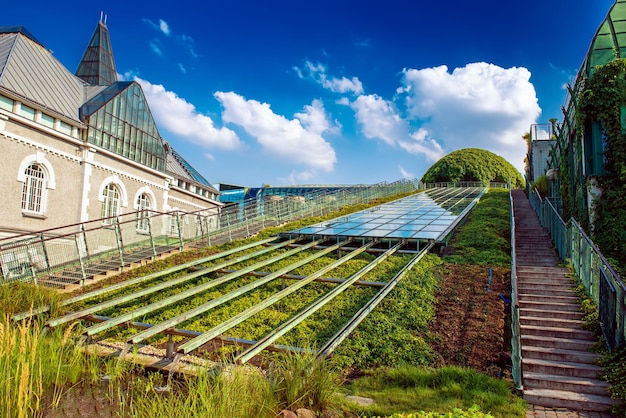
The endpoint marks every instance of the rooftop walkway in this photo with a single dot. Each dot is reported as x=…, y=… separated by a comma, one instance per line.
x=559, y=373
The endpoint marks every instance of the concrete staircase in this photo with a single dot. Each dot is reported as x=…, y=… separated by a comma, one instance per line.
x=558, y=370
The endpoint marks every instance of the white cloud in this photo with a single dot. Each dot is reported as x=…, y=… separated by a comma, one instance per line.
x=406, y=174
x=380, y=119
x=317, y=72
x=314, y=118
x=420, y=143
x=182, y=68
x=154, y=46
x=297, y=177
x=164, y=27
x=480, y=105
x=297, y=140
x=181, y=118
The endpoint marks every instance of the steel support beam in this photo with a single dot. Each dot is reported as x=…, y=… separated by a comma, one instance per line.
x=131, y=282
x=242, y=316
x=186, y=294
x=308, y=311
x=341, y=335
x=229, y=296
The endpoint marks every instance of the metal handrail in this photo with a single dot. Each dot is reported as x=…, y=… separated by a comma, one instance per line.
x=78, y=249
x=516, y=344
x=601, y=282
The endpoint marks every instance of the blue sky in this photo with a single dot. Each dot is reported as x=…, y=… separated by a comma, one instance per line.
x=284, y=92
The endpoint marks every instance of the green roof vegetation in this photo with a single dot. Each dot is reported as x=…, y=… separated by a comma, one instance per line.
x=473, y=164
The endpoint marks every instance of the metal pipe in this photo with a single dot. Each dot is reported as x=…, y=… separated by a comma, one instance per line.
x=144, y=292
x=183, y=295
x=191, y=334
x=301, y=316
x=242, y=316
x=341, y=335
x=170, y=270
x=334, y=280
x=225, y=298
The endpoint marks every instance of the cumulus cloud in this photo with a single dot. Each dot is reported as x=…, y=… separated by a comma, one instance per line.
x=317, y=73
x=297, y=140
x=380, y=119
x=182, y=119
x=480, y=105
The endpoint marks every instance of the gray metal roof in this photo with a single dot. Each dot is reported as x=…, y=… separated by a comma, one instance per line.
x=178, y=167
x=30, y=71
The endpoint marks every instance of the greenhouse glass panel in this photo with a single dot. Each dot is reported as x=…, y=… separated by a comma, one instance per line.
x=424, y=216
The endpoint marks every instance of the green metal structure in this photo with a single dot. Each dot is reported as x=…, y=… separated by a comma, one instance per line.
x=579, y=151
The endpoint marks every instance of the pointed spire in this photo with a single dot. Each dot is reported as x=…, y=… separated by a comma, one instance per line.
x=98, y=66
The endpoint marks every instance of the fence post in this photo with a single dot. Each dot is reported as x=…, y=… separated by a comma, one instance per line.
x=45, y=253
x=154, y=253
x=120, y=243
x=180, y=234
x=83, y=274
x=230, y=233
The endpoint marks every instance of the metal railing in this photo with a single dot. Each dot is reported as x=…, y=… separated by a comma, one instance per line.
x=73, y=253
x=493, y=185
x=593, y=271
x=516, y=343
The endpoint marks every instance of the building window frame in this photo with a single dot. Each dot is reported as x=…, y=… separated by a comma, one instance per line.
x=113, y=197
x=110, y=209
x=33, y=190
x=143, y=206
x=37, y=177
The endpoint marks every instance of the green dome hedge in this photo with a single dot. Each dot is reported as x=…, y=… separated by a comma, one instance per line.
x=473, y=164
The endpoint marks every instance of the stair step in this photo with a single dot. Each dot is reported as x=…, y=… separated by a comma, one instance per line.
x=546, y=290
x=560, y=368
x=544, y=270
x=559, y=354
x=552, y=299
x=537, y=249
x=578, y=334
x=567, y=383
x=574, y=324
x=555, y=342
x=545, y=279
x=569, y=400
x=551, y=306
x=550, y=313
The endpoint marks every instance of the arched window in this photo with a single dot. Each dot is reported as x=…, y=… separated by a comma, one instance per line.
x=143, y=204
x=110, y=203
x=34, y=189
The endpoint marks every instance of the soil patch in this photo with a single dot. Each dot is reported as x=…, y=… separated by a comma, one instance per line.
x=469, y=325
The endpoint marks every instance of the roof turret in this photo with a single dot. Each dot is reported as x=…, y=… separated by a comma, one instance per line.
x=98, y=66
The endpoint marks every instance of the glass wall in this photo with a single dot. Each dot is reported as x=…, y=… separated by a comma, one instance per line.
x=124, y=125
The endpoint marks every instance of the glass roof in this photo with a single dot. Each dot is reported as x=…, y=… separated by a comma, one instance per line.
x=609, y=39
x=98, y=66
x=424, y=216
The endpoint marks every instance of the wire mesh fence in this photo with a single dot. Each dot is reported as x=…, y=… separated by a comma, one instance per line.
x=73, y=253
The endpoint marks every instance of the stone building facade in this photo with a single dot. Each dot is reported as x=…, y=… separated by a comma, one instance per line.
x=82, y=147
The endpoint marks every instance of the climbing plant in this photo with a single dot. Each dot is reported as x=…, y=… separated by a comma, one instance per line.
x=603, y=100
